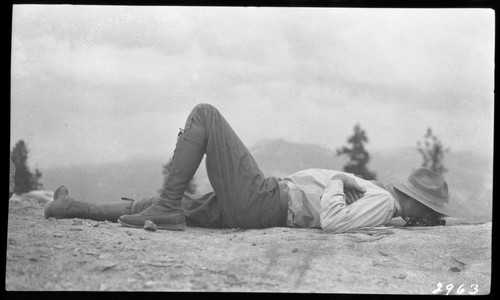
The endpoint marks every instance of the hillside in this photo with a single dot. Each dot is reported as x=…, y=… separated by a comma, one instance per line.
x=84, y=255
x=469, y=175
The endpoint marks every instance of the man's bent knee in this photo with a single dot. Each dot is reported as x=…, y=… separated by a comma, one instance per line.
x=203, y=115
x=205, y=107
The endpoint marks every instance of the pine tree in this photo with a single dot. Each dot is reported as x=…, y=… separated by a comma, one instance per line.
x=358, y=156
x=24, y=180
x=432, y=152
x=167, y=168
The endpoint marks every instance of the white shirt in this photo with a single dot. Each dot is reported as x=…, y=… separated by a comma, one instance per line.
x=317, y=201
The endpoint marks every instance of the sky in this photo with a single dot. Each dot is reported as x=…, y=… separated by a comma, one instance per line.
x=99, y=84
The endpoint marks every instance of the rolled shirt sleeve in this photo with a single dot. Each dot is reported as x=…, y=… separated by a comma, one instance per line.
x=373, y=209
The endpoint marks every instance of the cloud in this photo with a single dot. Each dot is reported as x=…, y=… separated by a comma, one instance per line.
x=127, y=75
x=117, y=26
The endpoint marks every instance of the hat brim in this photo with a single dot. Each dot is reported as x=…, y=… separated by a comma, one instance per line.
x=445, y=209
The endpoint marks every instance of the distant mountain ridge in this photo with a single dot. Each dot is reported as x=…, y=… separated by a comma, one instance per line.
x=469, y=175
x=108, y=182
x=280, y=158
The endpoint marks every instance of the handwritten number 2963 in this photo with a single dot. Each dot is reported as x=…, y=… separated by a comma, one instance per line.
x=460, y=290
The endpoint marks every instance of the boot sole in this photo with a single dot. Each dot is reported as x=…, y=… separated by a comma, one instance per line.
x=175, y=227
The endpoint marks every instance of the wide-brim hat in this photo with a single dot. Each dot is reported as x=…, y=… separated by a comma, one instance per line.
x=428, y=188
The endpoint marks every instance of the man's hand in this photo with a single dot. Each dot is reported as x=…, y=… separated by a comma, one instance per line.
x=352, y=195
x=352, y=190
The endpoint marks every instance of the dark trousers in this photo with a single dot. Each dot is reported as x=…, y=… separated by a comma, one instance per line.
x=242, y=196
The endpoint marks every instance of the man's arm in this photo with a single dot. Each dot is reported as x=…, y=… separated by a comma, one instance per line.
x=337, y=216
x=353, y=194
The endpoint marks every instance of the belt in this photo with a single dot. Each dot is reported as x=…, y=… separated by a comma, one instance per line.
x=284, y=194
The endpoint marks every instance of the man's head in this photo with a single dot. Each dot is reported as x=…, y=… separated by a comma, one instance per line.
x=423, y=197
x=417, y=214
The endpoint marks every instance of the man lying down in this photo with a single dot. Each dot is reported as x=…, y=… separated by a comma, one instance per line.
x=243, y=197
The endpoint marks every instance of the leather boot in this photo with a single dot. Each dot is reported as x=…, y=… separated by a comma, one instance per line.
x=167, y=212
x=64, y=207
